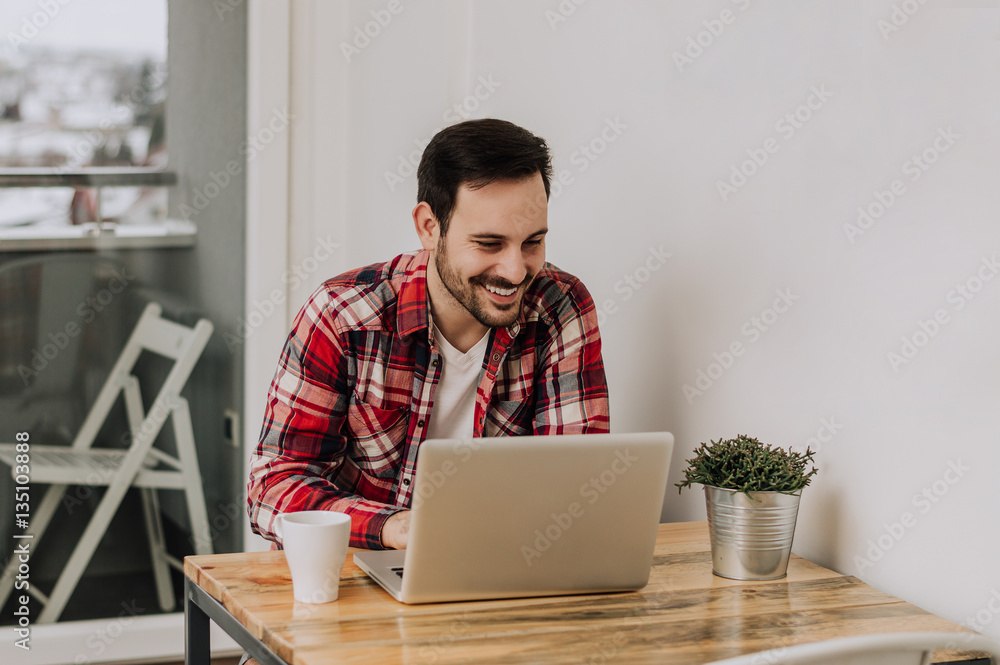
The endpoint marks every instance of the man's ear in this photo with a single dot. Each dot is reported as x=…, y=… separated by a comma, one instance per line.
x=427, y=225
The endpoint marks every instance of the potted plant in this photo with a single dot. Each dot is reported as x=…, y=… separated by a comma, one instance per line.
x=752, y=493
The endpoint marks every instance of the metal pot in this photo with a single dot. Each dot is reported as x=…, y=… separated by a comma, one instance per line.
x=751, y=535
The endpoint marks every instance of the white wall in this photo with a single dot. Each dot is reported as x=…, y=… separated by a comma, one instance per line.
x=820, y=367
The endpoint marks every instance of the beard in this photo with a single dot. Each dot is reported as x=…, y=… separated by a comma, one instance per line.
x=467, y=294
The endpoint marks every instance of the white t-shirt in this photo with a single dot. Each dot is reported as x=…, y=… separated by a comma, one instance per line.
x=455, y=394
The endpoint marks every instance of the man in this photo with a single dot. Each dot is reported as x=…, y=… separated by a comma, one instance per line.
x=475, y=335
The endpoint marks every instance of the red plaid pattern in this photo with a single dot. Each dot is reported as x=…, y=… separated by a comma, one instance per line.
x=351, y=400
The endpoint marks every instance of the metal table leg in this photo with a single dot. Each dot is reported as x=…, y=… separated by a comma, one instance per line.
x=197, y=639
x=199, y=607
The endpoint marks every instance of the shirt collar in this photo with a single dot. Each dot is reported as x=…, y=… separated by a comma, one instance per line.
x=413, y=304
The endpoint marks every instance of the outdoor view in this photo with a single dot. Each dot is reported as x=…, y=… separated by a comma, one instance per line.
x=82, y=84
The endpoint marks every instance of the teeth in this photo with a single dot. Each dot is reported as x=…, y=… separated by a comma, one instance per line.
x=501, y=292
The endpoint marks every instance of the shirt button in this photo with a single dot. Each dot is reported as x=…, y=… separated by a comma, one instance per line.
x=406, y=482
x=403, y=409
x=496, y=356
x=420, y=423
x=434, y=363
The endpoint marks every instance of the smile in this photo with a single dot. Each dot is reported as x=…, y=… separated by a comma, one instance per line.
x=499, y=291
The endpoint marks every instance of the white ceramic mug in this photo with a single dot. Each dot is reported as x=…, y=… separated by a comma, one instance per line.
x=315, y=543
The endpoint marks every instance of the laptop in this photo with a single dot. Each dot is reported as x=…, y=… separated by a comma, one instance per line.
x=526, y=516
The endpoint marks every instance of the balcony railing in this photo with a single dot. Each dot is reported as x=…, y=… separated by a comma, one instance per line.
x=100, y=233
x=97, y=176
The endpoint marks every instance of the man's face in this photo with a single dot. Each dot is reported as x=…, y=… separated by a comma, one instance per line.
x=494, y=247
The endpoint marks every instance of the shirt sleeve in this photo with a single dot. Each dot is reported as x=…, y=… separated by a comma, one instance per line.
x=572, y=388
x=302, y=447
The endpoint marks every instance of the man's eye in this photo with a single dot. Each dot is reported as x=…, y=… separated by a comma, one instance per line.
x=488, y=245
x=534, y=243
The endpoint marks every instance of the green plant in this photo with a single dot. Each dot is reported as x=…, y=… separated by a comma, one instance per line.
x=747, y=465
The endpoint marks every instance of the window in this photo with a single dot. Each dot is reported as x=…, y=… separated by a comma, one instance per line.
x=68, y=302
x=83, y=86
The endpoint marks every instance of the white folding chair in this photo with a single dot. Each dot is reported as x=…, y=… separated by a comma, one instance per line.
x=886, y=649
x=140, y=465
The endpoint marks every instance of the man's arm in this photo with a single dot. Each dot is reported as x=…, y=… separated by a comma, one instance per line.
x=396, y=531
x=571, y=389
x=299, y=462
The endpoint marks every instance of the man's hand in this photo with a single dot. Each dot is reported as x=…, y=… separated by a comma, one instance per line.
x=396, y=530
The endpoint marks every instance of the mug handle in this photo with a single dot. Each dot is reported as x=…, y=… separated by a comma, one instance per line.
x=278, y=530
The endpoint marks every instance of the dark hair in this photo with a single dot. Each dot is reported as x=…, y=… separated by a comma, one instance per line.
x=476, y=153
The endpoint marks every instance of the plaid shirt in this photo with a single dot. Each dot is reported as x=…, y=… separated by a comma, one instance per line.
x=351, y=400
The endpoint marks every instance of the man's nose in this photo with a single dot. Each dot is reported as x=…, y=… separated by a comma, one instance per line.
x=512, y=266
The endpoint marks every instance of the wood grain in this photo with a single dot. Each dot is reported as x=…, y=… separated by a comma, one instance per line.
x=684, y=615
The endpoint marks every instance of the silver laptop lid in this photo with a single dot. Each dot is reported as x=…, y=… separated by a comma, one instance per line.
x=532, y=516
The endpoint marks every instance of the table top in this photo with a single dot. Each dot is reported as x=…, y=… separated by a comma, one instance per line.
x=684, y=615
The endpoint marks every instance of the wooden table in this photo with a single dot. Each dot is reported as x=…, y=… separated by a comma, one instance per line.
x=684, y=615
